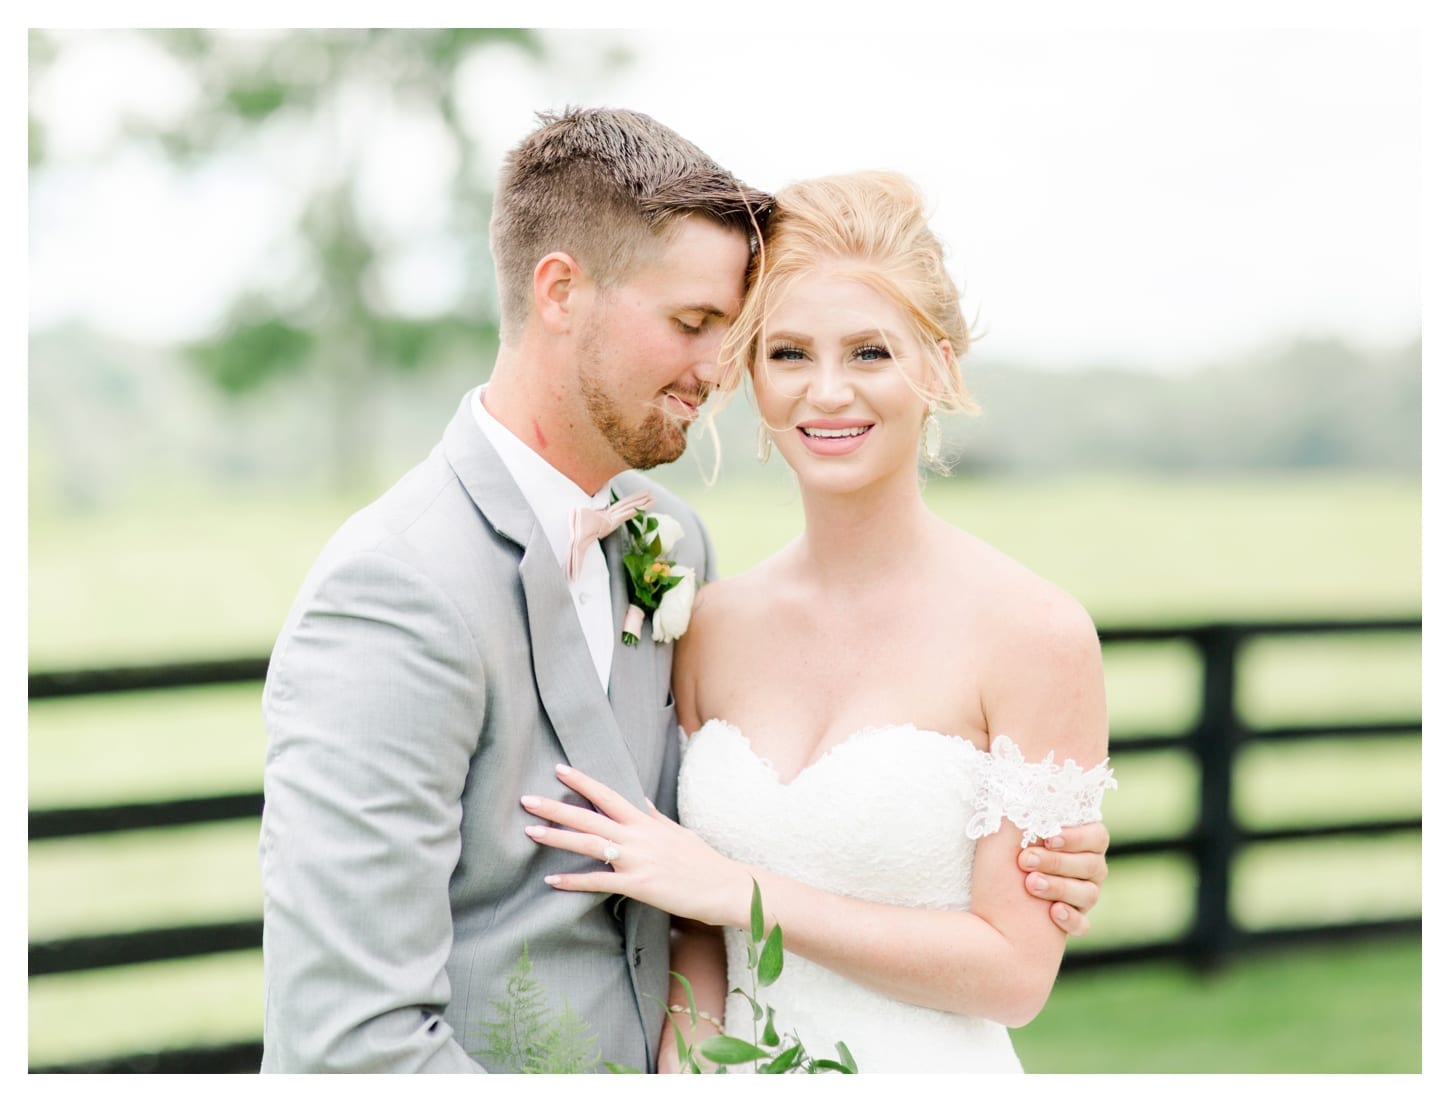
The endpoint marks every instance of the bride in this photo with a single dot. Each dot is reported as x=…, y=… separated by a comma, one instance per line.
x=885, y=711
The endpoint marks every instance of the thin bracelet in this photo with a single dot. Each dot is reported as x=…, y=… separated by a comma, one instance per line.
x=714, y=1021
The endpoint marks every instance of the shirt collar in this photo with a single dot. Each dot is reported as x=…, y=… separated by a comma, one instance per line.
x=551, y=494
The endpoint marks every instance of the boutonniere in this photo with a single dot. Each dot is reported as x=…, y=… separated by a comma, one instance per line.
x=658, y=585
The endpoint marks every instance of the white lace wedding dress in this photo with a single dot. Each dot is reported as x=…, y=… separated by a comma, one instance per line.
x=892, y=814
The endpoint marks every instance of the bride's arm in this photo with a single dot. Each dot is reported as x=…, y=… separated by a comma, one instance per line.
x=998, y=960
x=697, y=952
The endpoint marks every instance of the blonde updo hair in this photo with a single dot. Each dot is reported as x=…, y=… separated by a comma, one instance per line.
x=869, y=226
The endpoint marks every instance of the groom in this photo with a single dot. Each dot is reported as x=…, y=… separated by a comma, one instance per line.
x=454, y=641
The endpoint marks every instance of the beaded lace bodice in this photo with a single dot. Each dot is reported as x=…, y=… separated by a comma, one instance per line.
x=892, y=814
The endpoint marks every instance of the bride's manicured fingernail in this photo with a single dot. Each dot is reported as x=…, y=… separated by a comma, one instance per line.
x=1031, y=860
x=1037, y=882
x=534, y=831
x=529, y=801
x=562, y=769
x=1056, y=843
x=551, y=880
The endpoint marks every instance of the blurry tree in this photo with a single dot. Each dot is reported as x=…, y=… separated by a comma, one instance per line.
x=1313, y=403
x=310, y=104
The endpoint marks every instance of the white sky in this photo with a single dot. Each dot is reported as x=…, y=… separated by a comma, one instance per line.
x=1159, y=198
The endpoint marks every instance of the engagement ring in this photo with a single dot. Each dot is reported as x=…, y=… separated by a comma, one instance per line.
x=610, y=854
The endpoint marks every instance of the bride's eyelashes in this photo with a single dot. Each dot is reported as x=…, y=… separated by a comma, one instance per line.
x=786, y=353
x=871, y=353
x=794, y=353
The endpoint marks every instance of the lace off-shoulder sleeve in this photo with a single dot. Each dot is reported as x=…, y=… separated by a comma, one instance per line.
x=1040, y=797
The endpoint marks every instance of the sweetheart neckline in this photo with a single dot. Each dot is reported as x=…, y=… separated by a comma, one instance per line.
x=875, y=729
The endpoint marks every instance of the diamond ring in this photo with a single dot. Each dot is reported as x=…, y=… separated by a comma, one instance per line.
x=610, y=854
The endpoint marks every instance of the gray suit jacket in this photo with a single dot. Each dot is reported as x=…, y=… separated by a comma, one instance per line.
x=432, y=671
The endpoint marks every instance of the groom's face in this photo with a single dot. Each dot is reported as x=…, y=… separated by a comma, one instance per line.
x=648, y=350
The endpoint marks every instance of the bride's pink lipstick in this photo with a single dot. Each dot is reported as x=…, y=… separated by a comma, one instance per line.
x=834, y=435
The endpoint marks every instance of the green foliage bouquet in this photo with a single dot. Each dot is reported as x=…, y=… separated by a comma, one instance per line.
x=771, y=1050
x=526, y=1038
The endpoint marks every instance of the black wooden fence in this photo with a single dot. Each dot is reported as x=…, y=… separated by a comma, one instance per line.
x=1212, y=844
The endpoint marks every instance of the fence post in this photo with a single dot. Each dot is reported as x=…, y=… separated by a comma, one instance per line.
x=1215, y=742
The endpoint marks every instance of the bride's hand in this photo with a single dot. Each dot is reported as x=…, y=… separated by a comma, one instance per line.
x=651, y=858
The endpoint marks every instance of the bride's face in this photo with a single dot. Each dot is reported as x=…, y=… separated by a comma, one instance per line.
x=834, y=383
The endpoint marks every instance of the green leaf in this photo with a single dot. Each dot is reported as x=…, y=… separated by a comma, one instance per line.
x=847, y=1058
x=681, y=1048
x=724, y=1049
x=769, y=1034
x=772, y=958
x=787, y=1060
x=689, y=998
x=757, y=914
x=621, y=1069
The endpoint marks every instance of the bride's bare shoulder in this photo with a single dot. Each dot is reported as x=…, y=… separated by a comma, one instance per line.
x=1020, y=605
x=1039, y=654
x=727, y=601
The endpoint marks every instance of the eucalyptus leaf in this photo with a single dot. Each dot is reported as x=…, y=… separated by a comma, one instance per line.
x=790, y=1058
x=682, y=1048
x=724, y=1049
x=689, y=998
x=772, y=958
x=768, y=1035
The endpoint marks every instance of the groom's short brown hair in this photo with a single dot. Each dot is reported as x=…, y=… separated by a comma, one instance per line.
x=606, y=186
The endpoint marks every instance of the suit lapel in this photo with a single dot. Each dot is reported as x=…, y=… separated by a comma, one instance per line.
x=564, y=673
x=568, y=684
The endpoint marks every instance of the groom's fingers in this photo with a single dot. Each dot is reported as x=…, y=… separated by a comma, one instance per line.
x=1073, y=923
x=1083, y=838
x=1082, y=894
x=1070, y=899
x=1075, y=866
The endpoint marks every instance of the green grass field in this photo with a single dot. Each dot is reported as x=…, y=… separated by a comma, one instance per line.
x=214, y=578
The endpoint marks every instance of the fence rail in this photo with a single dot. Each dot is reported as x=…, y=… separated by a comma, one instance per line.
x=1212, y=844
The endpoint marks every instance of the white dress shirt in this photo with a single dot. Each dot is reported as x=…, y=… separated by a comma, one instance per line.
x=553, y=497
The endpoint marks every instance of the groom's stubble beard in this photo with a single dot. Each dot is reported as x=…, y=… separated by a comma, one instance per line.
x=656, y=440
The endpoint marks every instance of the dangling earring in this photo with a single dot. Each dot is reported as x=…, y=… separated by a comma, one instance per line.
x=762, y=444
x=931, y=435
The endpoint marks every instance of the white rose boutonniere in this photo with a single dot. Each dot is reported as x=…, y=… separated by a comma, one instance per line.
x=673, y=616
x=657, y=585
x=669, y=530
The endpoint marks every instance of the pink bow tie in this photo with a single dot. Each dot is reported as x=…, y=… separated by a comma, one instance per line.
x=588, y=525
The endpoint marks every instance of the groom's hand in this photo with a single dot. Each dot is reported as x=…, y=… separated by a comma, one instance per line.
x=1068, y=871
